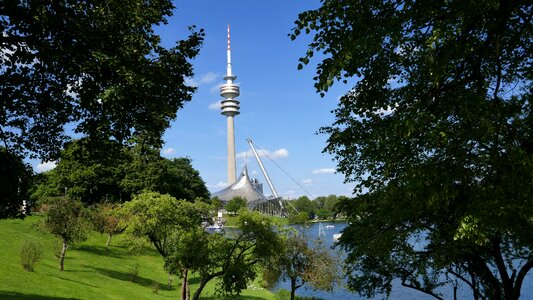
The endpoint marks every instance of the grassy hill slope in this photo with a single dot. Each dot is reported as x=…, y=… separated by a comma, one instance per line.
x=92, y=270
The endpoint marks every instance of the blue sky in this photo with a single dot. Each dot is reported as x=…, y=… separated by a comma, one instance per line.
x=280, y=110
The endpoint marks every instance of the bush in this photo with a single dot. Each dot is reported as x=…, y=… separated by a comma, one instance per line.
x=133, y=272
x=156, y=287
x=30, y=254
x=270, y=278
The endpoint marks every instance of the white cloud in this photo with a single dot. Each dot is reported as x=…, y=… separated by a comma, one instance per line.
x=214, y=89
x=208, y=77
x=219, y=185
x=214, y=105
x=289, y=194
x=307, y=181
x=254, y=172
x=169, y=151
x=385, y=112
x=324, y=171
x=280, y=153
x=45, y=166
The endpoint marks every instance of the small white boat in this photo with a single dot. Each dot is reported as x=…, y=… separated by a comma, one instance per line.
x=330, y=226
x=336, y=237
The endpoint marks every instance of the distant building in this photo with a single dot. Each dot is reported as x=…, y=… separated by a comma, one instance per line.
x=249, y=189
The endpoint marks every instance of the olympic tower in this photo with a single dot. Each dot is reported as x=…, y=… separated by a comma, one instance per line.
x=230, y=108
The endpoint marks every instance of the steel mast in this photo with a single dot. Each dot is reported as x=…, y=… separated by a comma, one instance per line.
x=269, y=182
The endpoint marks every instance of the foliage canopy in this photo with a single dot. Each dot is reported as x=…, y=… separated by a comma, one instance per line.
x=95, y=64
x=115, y=173
x=436, y=134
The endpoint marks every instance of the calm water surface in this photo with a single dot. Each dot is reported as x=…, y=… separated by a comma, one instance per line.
x=398, y=292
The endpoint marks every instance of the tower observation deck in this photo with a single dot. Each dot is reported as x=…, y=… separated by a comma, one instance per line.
x=230, y=108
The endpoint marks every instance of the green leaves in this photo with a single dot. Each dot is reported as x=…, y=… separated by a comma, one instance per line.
x=469, y=229
x=236, y=204
x=64, y=57
x=432, y=136
x=67, y=219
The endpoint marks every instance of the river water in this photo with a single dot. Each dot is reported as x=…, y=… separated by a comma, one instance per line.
x=398, y=292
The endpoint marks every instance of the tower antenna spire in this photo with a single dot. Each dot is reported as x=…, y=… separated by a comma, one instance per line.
x=228, y=69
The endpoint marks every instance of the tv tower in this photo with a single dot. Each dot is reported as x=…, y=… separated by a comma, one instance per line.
x=230, y=108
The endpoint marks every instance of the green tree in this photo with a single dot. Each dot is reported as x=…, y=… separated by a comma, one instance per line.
x=320, y=201
x=436, y=134
x=163, y=219
x=147, y=170
x=298, y=218
x=113, y=173
x=323, y=214
x=15, y=180
x=83, y=172
x=301, y=263
x=98, y=65
x=236, y=204
x=68, y=220
x=236, y=259
x=304, y=205
x=216, y=203
x=189, y=249
x=105, y=219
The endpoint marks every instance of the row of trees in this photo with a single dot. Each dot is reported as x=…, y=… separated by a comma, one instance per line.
x=116, y=173
x=323, y=208
x=176, y=229
x=300, y=210
x=133, y=191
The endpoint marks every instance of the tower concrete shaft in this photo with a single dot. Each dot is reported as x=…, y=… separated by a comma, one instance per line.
x=230, y=108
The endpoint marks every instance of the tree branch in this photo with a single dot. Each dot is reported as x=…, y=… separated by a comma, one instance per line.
x=404, y=283
x=500, y=264
x=522, y=275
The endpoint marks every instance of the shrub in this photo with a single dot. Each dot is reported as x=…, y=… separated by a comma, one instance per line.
x=156, y=287
x=270, y=277
x=30, y=254
x=134, y=272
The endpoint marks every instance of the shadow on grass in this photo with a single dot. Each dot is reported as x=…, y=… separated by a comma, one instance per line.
x=101, y=250
x=125, y=276
x=194, y=280
x=57, y=276
x=17, y=295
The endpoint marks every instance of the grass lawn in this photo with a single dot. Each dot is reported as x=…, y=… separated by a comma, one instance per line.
x=92, y=270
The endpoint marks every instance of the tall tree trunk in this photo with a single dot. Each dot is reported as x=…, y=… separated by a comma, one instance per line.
x=170, y=279
x=109, y=239
x=198, y=291
x=184, y=285
x=293, y=288
x=62, y=256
